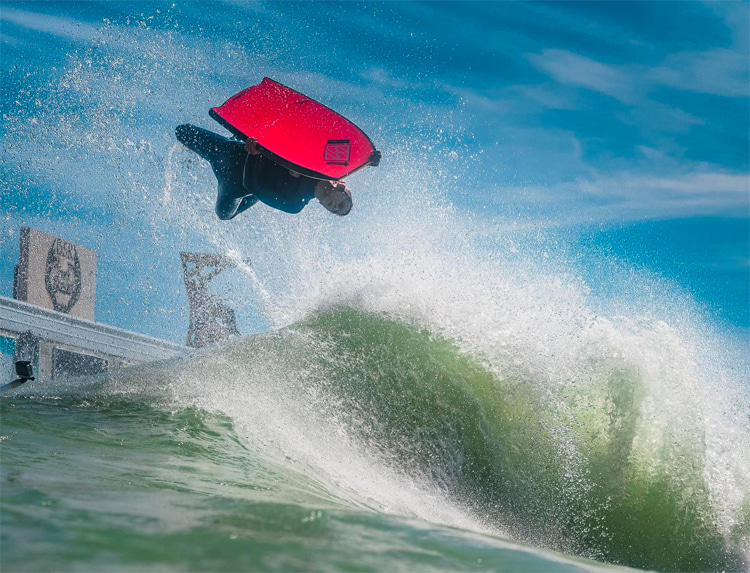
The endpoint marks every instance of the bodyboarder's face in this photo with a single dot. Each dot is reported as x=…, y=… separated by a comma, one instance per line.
x=334, y=196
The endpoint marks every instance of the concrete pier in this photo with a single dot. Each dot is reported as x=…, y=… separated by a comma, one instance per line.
x=60, y=345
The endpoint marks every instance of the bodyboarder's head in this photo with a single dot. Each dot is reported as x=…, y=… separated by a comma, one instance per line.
x=335, y=196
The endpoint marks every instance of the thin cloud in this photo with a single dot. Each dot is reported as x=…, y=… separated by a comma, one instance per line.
x=628, y=195
x=722, y=72
x=573, y=69
x=719, y=72
x=59, y=26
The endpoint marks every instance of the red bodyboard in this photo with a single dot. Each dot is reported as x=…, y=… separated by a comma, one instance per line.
x=296, y=131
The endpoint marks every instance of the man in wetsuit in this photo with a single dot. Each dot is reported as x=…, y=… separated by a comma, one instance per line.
x=245, y=177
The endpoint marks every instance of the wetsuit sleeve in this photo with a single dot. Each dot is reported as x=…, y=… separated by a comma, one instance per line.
x=275, y=186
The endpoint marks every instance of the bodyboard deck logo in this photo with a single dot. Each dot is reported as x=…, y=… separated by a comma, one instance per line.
x=337, y=152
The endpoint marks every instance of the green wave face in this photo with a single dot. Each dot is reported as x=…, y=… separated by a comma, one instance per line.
x=111, y=484
x=578, y=470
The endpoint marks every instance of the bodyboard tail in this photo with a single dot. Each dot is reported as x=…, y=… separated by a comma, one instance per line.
x=296, y=131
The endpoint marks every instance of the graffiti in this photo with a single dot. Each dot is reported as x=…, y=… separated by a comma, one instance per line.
x=211, y=319
x=62, y=275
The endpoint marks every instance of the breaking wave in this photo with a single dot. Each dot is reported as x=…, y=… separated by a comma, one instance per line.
x=391, y=415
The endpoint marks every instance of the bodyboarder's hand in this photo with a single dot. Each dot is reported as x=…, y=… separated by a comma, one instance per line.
x=328, y=186
x=251, y=146
x=341, y=186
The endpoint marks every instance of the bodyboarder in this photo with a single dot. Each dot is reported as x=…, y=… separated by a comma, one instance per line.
x=246, y=177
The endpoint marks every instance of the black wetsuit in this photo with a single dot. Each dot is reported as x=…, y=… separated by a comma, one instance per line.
x=243, y=178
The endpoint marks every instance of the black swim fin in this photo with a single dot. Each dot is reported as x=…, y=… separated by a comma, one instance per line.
x=227, y=157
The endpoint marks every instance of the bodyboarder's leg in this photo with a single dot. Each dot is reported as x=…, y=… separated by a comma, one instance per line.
x=227, y=159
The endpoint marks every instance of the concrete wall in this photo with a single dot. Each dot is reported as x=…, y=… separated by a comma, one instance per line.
x=50, y=320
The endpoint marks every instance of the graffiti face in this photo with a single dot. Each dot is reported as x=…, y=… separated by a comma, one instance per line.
x=62, y=275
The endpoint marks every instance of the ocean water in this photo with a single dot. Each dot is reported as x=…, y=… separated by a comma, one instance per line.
x=447, y=379
x=357, y=440
x=189, y=494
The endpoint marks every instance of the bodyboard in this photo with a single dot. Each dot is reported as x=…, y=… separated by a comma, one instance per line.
x=296, y=131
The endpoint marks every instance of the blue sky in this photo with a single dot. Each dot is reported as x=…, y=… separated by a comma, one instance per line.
x=563, y=114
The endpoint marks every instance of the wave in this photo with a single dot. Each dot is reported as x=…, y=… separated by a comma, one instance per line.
x=396, y=417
